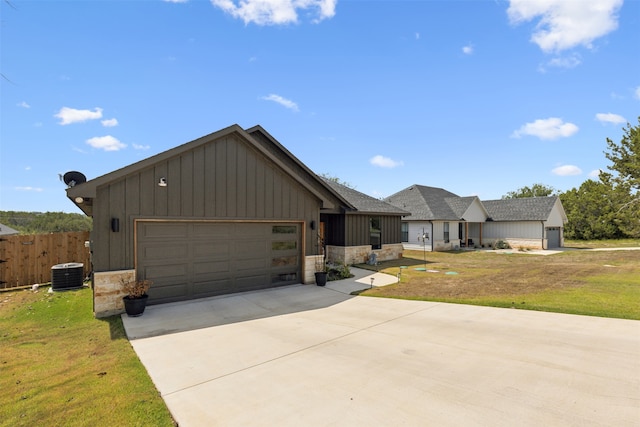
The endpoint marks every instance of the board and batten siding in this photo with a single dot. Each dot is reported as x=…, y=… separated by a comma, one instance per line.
x=225, y=179
x=519, y=229
x=357, y=231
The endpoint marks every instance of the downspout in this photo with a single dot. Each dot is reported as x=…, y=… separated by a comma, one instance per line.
x=542, y=242
x=431, y=234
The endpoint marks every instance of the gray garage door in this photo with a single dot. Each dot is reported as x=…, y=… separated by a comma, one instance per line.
x=187, y=260
x=553, y=237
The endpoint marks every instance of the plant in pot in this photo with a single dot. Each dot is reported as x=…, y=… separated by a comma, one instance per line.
x=321, y=264
x=136, y=299
x=321, y=271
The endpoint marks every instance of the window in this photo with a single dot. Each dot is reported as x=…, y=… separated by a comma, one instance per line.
x=375, y=232
x=446, y=232
x=404, y=232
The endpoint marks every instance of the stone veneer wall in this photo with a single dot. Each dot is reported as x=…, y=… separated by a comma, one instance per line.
x=310, y=268
x=108, y=293
x=360, y=254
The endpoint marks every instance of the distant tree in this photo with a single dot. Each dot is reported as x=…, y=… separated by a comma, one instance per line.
x=47, y=222
x=337, y=180
x=536, y=190
x=592, y=210
x=626, y=162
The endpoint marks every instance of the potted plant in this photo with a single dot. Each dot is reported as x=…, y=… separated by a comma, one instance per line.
x=321, y=272
x=321, y=264
x=136, y=299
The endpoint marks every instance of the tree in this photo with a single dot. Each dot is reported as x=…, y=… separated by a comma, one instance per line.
x=592, y=210
x=337, y=180
x=536, y=190
x=626, y=162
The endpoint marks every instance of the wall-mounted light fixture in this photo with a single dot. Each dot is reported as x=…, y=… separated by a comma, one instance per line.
x=79, y=199
x=115, y=224
x=162, y=182
x=312, y=224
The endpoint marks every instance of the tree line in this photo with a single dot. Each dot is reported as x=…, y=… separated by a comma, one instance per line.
x=607, y=207
x=45, y=222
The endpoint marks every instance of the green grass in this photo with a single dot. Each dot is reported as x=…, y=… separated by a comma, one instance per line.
x=594, y=283
x=59, y=366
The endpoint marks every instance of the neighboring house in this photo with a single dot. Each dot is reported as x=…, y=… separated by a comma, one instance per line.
x=532, y=222
x=7, y=231
x=229, y=212
x=441, y=220
x=373, y=226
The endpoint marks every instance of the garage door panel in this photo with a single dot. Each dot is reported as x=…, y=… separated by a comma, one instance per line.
x=168, y=292
x=212, y=231
x=213, y=287
x=211, y=249
x=249, y=283
x=153, y=231
x=215, y=267
x=166, y=251
x=197, y=259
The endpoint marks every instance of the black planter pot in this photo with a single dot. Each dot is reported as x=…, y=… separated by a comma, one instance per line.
x=321, y=278
x=135, y=306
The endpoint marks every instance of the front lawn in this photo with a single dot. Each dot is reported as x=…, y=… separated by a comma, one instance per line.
x=602, y=283
x=59, y=366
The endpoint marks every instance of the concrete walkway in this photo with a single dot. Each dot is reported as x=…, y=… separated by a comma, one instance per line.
x=318, y=356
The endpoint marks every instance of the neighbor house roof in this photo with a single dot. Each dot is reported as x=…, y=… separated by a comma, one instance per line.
x=429, y=203
x=364, y=203
x=7, y=231
x=520, y=209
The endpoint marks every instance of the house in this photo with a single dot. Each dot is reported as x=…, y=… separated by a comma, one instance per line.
x=531, y=222
x=441, y=220
x=229, y=212
x=7, y=231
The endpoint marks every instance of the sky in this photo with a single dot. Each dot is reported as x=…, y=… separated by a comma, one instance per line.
x=477, y=97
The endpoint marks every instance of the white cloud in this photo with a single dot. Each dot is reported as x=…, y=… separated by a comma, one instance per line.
x=417, y=36
x=468, y=49
x=287, y=103
x=109, y=123
x=276, y=12
x=140, y=147
x=27, y=168
x=23, y=104
x=567, y=170
x=384, y=162
x=106, y=143
x=551, y=128
x=565, y=24
x=610, y=118
x=637, y=92
x=36, y=189
x=175, y=1
x=594, y=173
x=71, y=115
x=569, y=61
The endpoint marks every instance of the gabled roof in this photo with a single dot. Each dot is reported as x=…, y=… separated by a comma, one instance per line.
x=7, y=231
x=429, y=203
x=521, y=209
x=276, y=154
x=362, y=202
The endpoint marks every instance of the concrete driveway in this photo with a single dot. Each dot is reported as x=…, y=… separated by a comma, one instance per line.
x=312, y=356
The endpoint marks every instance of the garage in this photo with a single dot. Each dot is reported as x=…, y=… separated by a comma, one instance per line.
x=196, y=259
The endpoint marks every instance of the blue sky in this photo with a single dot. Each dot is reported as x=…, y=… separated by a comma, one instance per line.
x=477, y=97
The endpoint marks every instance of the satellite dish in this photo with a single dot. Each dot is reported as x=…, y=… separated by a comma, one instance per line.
x=74, y=178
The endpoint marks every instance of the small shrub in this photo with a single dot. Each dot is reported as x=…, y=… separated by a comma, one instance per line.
x=338, y=272
x=501, y=244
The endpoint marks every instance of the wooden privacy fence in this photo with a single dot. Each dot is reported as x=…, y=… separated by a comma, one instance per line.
x=27, y=260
